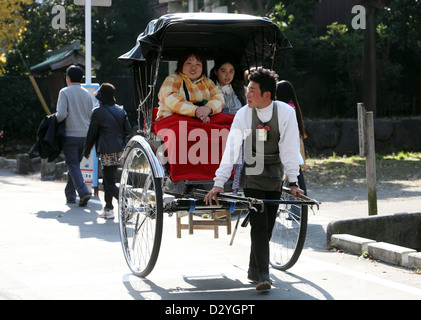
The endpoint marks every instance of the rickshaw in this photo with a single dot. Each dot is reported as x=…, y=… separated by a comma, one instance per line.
x=151, y=186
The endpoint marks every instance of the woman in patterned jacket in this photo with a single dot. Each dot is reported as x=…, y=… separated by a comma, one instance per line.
x=189, y=91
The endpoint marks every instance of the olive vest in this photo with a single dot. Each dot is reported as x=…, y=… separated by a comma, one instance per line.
x=263, y=171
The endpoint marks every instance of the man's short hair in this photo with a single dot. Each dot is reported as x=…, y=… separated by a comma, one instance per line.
x=266, y=79
x=75, y=73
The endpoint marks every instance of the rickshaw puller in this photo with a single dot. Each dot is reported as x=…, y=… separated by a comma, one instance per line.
x=274, y=124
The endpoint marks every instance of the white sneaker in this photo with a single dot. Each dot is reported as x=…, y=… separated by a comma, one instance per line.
x=107, y=214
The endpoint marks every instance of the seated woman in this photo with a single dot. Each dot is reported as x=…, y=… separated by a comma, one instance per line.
x=188, y=91
x=231, y=83
x=229, y=80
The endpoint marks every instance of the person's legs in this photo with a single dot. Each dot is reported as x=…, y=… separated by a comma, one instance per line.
x=110, y=189
x=261, y=230
x=73, y=152
x=69, y=190
x=272, y=210
x=259, y=251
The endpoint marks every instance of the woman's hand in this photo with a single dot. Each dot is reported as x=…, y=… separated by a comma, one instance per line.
x=203, y=114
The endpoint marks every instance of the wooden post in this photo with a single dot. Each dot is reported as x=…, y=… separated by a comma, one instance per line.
x=371, y=166
x=361, y=131
x=367, y=149
x=39, y=95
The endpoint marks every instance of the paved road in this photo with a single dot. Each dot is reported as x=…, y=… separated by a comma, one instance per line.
x=50, y=250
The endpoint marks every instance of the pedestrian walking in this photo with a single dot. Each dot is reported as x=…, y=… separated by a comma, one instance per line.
x=108, y=130
x=74, y=106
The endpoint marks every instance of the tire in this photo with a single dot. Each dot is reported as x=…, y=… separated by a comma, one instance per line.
x=289, y=232
x=140, y=211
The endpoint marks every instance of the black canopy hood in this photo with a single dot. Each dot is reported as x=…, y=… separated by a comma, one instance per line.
x=215, y=33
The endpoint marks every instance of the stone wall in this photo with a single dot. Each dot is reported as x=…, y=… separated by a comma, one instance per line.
x=341, y=136
x=401, y=229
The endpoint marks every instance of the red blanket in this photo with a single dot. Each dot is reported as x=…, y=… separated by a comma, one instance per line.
x=193, y=149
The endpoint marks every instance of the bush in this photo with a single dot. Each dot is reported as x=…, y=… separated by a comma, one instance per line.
x=20, y=111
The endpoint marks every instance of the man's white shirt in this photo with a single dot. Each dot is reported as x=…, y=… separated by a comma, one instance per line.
x=289, y=142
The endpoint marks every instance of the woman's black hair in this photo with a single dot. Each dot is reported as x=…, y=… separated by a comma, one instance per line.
x=285, y=92
x=198, y=54
x=237, y=82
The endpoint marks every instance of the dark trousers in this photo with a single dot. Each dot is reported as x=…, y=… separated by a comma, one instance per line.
x=110, y=189
x=261, y=231
x=73, y=152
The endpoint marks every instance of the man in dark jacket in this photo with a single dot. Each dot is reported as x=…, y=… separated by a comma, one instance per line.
x=108, y=130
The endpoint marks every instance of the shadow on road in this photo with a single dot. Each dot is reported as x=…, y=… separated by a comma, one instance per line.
x=286, y=286
x=86, y=220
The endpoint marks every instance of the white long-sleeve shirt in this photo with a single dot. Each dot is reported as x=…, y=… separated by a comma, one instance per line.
x=289, y=145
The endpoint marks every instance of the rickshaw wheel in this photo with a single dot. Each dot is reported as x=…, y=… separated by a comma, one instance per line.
x=140, y=212
x=289, y=232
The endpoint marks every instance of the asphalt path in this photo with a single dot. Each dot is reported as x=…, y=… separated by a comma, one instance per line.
x=54, y=251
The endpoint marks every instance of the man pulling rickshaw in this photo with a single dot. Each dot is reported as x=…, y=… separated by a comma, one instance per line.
x=152, y=168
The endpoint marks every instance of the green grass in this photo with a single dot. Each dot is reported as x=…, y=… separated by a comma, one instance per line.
x=337, y=170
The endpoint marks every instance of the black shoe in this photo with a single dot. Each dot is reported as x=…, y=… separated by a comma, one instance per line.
x=84, y=200
x=69, y=201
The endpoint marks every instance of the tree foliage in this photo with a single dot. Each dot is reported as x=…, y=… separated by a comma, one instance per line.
x=328, y=68
x=399, y=31
x=114, y=31
x=403, y=21
x=338, y=57
x=40, y=37
x=256, y=7
x=12, y=26
x=295, y=19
